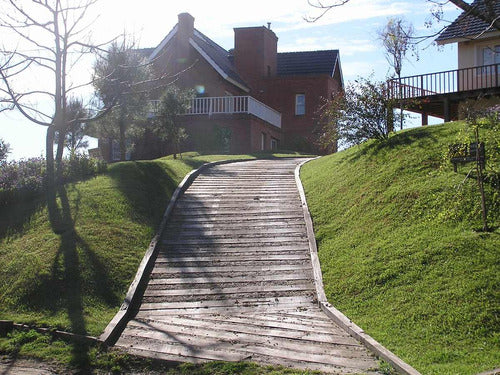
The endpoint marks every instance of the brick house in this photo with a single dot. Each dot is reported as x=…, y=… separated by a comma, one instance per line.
x=253, y=97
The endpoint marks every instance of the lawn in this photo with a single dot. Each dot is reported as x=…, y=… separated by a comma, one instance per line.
x=401, y=249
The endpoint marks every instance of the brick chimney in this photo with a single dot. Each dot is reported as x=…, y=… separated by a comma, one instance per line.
x=184, y=32
x=255, y=53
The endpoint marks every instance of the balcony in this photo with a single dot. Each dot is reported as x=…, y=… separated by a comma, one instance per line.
x=438, y=94
x=451, y=81
x=230, y=105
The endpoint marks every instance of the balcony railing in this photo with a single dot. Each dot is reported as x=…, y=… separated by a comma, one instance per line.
x=230, y=105
x=450, y=81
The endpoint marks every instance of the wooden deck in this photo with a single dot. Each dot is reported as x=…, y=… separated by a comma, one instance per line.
x=233, y=279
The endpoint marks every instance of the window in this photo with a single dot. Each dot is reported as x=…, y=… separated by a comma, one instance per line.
x=300, y=104
x=274, y=144
x=263, y=138
x=115, y=150
x=491, y=55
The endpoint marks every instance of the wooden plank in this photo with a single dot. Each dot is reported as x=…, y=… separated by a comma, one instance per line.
x=247, y=333
x=256, y=257
x=235, y=241
x=236, y=309
x=254, y=288
x=222, y=343
x=266, y=321
x=285, y=278
x=241, y=269
x=181, y=350
x=228, y=303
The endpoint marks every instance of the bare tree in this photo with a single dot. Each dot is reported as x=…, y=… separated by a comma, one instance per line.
x=396, y=37
x=35, y=74
x=487, y=13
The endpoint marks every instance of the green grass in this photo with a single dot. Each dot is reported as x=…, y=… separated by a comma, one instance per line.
x=401, y=253
x=75, y=280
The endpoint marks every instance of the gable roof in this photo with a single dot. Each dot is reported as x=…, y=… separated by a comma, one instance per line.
x=309, y=62
x=214, y=54
x=218, y=56
x=467, y=26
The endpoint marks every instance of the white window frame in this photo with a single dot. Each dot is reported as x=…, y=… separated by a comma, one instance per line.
x=300, y=105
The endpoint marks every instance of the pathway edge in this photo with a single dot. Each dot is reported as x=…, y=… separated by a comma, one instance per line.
x=134, y=294
x=337, y=316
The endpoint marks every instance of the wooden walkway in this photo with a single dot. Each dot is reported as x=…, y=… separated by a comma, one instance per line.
x=233, y=279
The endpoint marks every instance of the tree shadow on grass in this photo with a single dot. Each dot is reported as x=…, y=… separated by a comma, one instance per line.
x=76, y=272
x=14, y=217
x=147, y=187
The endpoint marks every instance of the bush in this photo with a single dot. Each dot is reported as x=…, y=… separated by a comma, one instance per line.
x=361, y=112
x=24, y=179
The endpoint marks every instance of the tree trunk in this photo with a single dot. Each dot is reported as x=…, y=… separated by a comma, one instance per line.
x=123, y=145
x=49, y=155
x=59, y=156
x=55, y=218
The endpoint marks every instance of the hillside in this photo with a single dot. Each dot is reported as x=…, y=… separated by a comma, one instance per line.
x=401, y=253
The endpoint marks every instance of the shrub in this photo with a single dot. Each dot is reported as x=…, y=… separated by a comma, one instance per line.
x=24, y=179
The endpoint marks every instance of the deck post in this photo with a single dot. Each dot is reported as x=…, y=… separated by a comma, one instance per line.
x=446, y=107
x=425, y=119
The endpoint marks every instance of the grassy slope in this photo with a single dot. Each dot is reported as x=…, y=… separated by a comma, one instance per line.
x=76, y=280
x=399, y=253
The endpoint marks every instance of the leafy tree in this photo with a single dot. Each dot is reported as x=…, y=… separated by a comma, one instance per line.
x=73, y=136
x=173, y=103
x=362, y=112
x=4, y=150
x=121, y=79
x=396, y=37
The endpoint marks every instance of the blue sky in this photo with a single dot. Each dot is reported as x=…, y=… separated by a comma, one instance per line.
x=351, y=28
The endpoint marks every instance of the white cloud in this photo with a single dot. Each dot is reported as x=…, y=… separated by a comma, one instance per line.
x=346, y=47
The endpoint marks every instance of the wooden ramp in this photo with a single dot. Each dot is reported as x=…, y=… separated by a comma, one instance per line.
x=233, y=279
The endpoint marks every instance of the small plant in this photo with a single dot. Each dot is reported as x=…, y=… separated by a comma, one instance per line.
x=4, y=150
x=481, y=116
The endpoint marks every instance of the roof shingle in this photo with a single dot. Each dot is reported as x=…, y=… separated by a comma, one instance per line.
x=467, y=25
x=308, y=62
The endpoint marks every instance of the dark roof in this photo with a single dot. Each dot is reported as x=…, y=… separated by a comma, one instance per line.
x=219, y=55
x=310, y=62
x=467, y=25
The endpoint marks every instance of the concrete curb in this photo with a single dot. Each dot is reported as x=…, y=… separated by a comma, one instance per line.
x=338, y=317
x=134, y=295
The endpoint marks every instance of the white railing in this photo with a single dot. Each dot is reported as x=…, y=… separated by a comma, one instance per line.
x=230, y=105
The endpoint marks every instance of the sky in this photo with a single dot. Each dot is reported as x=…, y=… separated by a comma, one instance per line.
x=352, y=29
